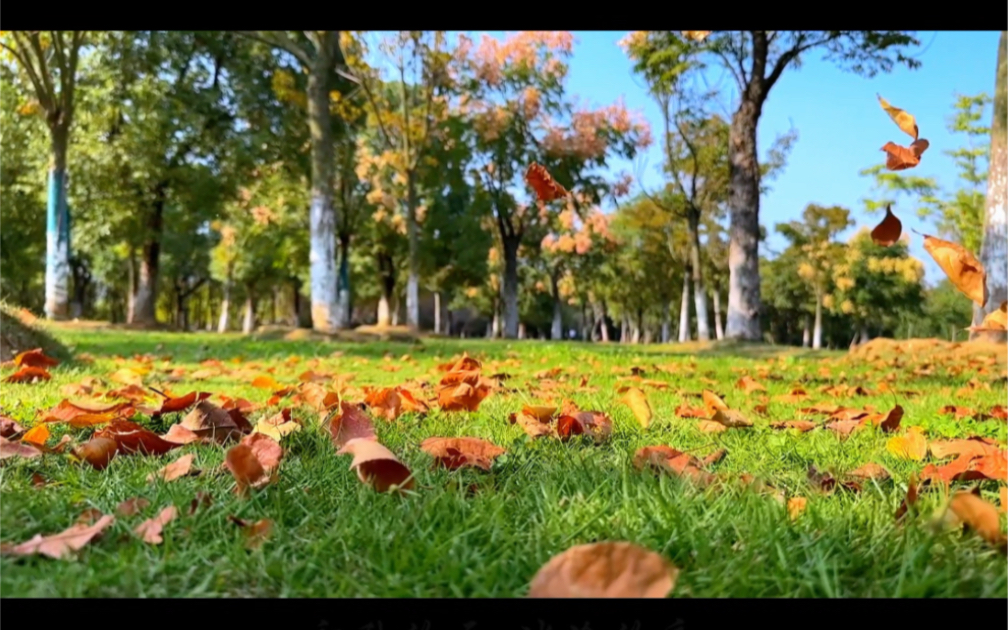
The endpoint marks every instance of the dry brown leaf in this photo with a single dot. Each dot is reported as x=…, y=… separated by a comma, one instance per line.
x=129, y=507
x=696, y=36
x=255, y=533
x=994, y=321
x=870, y=471
x=376, y=465
x=594, y=423
x=801, y=425
x=133, y=438
x=34, y=358
x=349, y=423
x=9, y=428
x=974, y=447
x=892, y=420
x=731, y=419
x=97, y=451
x=713, y=402
x=267, y=450
x=605, y=570
x=175, y=470
x=911, y=497
x=901, y=158
x=961, y=267
x=17, y=449
x=150, y=530
x=207, y=420
x=887, y=232
x=903, y=120
x=749, y=385
x=531, y=425
x=246, y=468
x=667, y=459
x=61, y=545
x=638, y=403
x=454, y=453
x=709, y=426
x=979, y=516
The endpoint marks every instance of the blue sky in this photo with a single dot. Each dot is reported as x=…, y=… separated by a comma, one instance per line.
x=840, y=124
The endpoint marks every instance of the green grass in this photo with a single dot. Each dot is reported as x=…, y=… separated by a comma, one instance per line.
x=336, y=537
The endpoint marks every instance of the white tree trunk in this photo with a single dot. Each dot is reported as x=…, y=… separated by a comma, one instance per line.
x=666, y=324
x=437, y=312
x=718, y=326
x=684, y=311
x=322, y=263
x=248, y=322
x=700, y=303
x=384, y=313
x=224, y=321
x=806, y=337
x=817, y=331
x=521, y=331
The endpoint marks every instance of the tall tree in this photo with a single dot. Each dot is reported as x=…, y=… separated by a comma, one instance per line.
x=994, y=250
x=756, y=60
x=319, y=55
x=407, y=110
x=49, y=60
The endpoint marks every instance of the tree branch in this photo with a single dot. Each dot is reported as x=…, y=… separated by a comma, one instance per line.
x=36, y=44
x=281, y=40
x=24, y=57
x=790, y=55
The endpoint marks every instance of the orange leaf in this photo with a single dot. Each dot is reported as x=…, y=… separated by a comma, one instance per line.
x=255, y=533
x=28, y=375
x=127, y=376
x=795, y=506
x=267, y=450
x=178, y=468
x=546, y=188
x=593, y=423
x=376, y=465
x=241, y=460
x=979, y=516
x=350, y=423
x=801, y=425
x=541, y=414
x=974, y=447
x=454, y=453
x=150, y=530
x=207, y=420
x=37, y=435
x=171, y=405
x=901, y=158
x=133, y=438
x=696, y=36
x=605, y=570
x=461, y=397
x=870, y=471
x=35, y=358
x=731, y=419
x=994, y=321
x=961, y=267
x=61, y=545
x=265, y=382
x=888, y=231
x=531, y=425
x=748, y=385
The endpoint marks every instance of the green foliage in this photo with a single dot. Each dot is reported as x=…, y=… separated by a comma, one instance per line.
x=944, y=315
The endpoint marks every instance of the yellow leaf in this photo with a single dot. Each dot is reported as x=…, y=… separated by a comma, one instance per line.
x=995, y=320
x=912, y=445
x=961, y=267
x=637, y=401
x=903, y=120
x=697, y=36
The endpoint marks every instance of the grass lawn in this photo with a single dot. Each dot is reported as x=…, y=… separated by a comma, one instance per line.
x=471, y=533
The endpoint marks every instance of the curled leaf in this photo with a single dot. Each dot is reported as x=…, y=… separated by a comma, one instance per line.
x=638, y=403
x=376, y=465
x=903, y=120
x=34, y=358
x=888, y=231
x=17, y=449
x=979, y=516
x=593, y=423
x=97, y=451
x=994, y=321
x=454, y=453
x=901, y=158
x=175, y=470
x=961, y=267
x=61, y=545
x=605, y=570
x=241, y=460
x=349, y=423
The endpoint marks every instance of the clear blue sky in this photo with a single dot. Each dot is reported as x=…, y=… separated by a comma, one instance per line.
x=840, y=124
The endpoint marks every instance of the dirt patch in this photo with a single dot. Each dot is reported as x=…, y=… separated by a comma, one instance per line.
x=20, y=331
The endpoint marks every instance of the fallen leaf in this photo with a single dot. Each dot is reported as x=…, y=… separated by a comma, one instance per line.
x=37, y=435
x=350, y=423
x=713, y=402
x=638, y=403
x=844, y=427
x=172, y=405
x=17, y=449
x=974, y=447
x=1004, y=499
x=887, y=232
x=892, y=420
x=667, y=459
x=795, y=506
x=201, y=498
x=605, y=570
x=961, y=267
x=61, y=545
x=129, y=507
x=133, y=438
x=870, y=471
x=801, y=425
x=207, y=420
x=97, y=451
x=748, y=385
x=267, y=450
x=901, y=158
x=731, y=419
x=827, y=482
x=178, y=434
x=9, y=428
x=911, y=445
x=454, y=453
x=461, y=397
x=531, y=425
x=911, y=497
x=245, y=467
x=709, y=426
x=178, y=468
x=34, y=358
x=127, y=376
x=541, y=414
x=979, y=516
x=376, y=465
x=903, y=120
x=255, y=533
x=265, y=382
x=150, y=530
x=593, y=423
x=277, y=425
x=28, y=375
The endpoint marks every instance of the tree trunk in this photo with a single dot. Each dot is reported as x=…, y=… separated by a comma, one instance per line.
x=145, y=300
x=817, y=331
x=604, y=324
x=624, y=333
x=413, y=278
x=437, y=312
x=248, y=322
x=223, y=322
x=994, y=250
x=743, y=202
x=639, y=326
x=666, y=324
x=718, y=326
x=57, y=276
x=684, y=309
x=322, y=213
x=387, y=281
x=522, y=331
x=131, y=281
x=344, y=314
x=396, y=308
x=699, y=292
x=864, y=336
x=806, y=337
x=556, y=330
x=510, y=286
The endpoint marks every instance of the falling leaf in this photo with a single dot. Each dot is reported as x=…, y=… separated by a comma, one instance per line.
x=638, y=403
x=178, y=468
x=888, y=231
x=696, y=36
x=605, y=570
x=912, y=445
x=870, y=471
x=255, y=533
x=903, y=120
x=34, y=358
x=28, y=375
x=350, y=423
x=994, y=321
x=150, y=530
x=961, y=267
x=97, y=451
x=61, y=545
x=546, y=188
x=37, y=435
x=795, y=506
x=979, y=516
x=129, y=507
x=454, y=453
x=133, y=438
x=17, y=449
x=376, y=465
x=901, y=158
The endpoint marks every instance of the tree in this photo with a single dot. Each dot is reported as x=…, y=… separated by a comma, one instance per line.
x=994, y=250
x=756, y=60
x=49, y=60
x=521, y=114
x=407, y=112
x=318, y=54
x=816, y=253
